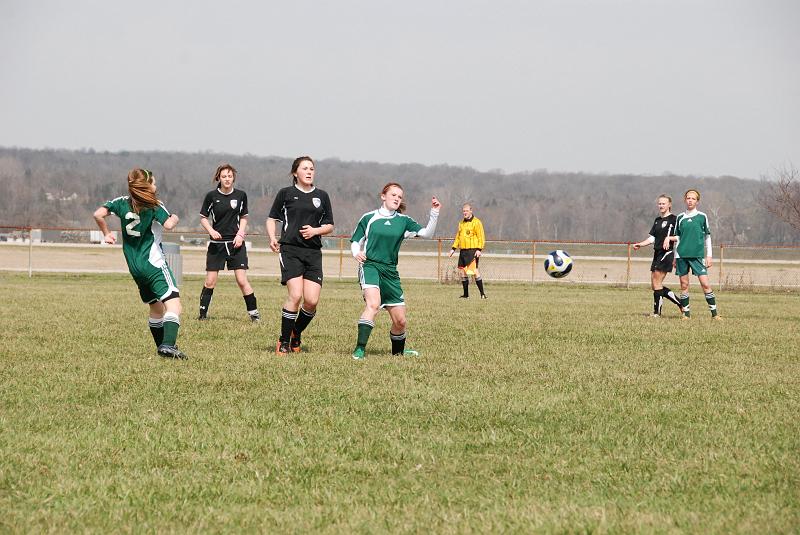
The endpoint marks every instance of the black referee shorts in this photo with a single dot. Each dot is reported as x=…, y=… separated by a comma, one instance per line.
x=465, y=257
x=300, y=261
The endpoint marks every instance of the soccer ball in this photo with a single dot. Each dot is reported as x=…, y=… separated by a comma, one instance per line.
x=558, y=264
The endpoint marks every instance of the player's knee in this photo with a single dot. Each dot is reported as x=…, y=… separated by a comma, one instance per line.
x=173, y=305
x=157, y=309
x=245, y=287
x=399, y=325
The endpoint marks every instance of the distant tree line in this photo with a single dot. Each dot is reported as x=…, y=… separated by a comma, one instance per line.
x=62, y=188
x=780, y=195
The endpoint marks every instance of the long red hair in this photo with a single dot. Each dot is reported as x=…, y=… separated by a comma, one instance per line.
x=140, y=187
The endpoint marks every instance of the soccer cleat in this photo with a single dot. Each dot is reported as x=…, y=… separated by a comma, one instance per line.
x=171, y=352
x=483, y=296
x=282, y=348
x=463, y=297
x=408, y=353
x=685, y=317
x=294, y=343
x=202, y=317
x=717, y=317
x=359, y=353
x=255, y=317
x=654, y=315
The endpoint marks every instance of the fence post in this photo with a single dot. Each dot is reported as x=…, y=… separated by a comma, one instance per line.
x=533, y=262
x=439, y=260
x=341, y=256
x=30, y=252
x=628, y=270
x=721, y=260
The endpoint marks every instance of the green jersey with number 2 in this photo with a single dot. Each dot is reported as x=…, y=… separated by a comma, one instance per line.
x=141, y=234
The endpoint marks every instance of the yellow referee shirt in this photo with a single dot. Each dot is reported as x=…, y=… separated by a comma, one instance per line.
x=470, y=235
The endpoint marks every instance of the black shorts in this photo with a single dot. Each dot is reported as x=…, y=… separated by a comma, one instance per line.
x=466, y=256
x=221, y=253
x=662, y=261
x=300, y=261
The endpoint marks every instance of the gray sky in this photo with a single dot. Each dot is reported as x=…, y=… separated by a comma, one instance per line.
x=705, y=87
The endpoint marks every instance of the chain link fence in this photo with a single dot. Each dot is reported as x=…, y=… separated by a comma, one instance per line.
x=740, y=267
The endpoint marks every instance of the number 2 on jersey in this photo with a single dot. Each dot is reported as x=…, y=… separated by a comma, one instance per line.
x=129, y=228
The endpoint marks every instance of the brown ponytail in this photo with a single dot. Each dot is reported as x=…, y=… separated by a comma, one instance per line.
x=296, y=164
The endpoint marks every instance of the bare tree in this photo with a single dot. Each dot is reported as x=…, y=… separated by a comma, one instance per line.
x=780, y=195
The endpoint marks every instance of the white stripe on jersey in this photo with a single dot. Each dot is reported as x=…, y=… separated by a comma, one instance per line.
x=171, y=286
x=156, y=256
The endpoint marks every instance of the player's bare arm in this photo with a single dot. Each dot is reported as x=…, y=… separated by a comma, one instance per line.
x=238, y=240
x=273, y=241
x=171, y=222
x=208, y=228
x=308, y=232
x=100, y=216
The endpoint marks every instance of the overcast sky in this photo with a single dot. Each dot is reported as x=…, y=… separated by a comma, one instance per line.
x=703, y=87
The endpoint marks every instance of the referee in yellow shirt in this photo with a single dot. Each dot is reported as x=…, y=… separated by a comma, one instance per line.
x=470, y=240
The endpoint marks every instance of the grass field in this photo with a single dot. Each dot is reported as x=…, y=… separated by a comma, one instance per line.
x=545, y=408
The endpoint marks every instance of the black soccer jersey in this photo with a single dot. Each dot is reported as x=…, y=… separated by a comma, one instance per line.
x=663, y=227
x=296, y=208
x=224, y=210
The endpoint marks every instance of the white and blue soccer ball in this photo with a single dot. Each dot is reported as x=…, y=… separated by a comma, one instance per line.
x=558, y=264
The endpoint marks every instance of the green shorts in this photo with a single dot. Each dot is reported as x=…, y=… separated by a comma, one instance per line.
x=697, y=265
x=155, y=284
x=384, y=278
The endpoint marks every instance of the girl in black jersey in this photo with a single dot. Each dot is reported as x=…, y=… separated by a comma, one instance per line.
x=224, y=216
x=663, y=254
x=306, y=214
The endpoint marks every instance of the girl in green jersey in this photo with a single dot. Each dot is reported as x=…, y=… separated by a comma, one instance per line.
x=375, y=245
x=142, y=218
x=693, y=253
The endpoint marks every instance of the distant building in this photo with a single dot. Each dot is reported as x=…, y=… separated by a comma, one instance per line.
x=52, y=197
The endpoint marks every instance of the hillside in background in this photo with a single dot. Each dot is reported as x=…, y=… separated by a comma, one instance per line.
x=62, y=188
